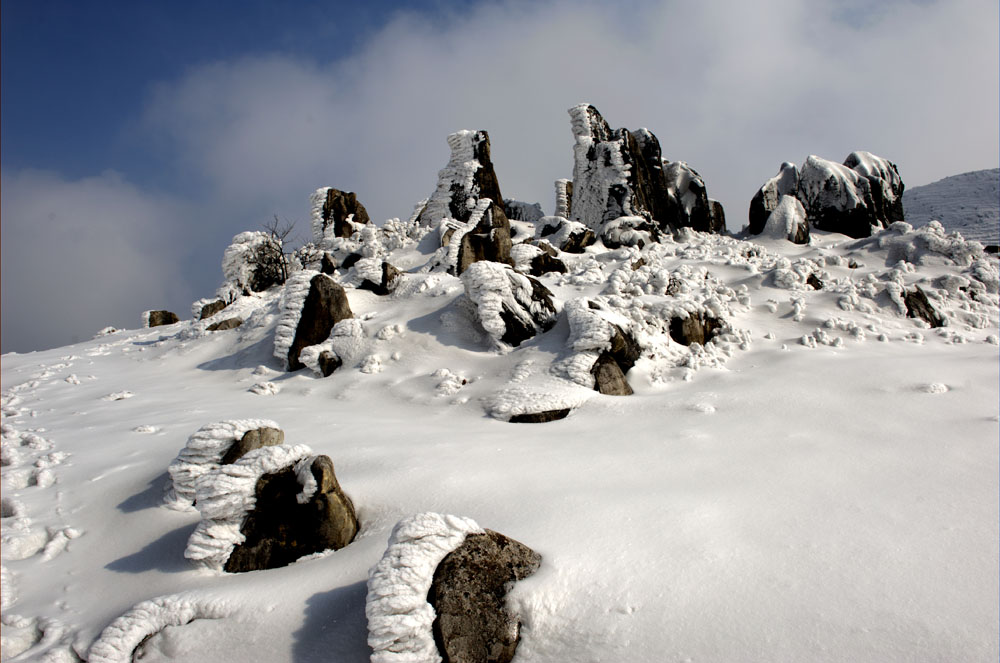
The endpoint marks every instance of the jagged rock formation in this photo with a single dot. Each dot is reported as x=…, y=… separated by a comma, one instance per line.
x=159, y=318
x=488, y=239
x=465, y=181
x=470, y=584
x=511, y=307
x=336, y=213
x=311, y=305
x=566, y=235
x=618, y=173
x=856, y=198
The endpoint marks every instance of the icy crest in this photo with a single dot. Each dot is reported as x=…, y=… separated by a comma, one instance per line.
x=226, y=494
x=399, y=617
x=202, y=453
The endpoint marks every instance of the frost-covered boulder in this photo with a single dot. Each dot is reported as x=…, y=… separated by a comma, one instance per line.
x=621, y=173
x=885, y=183
x=468, y=595
x=511, y=307
x=566, y=235
x=440, y=585
x=466, y=180
x=788, y=221
x=158, y=318
x=603, y=347
x=768, y=197
x=487, y=238
x=384, y=283
x=268, y=509
x=336, y=213
x=213, y=445
x=311, y=305
x=207, y=308
x=252, y=263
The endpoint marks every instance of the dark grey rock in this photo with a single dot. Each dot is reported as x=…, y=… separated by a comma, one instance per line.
x=327, y=264
x=540, y=417
x=338, y=206
x=210, y=309
x=325, y=305
x=160, y=318
x=280, y=530
x=253, y=439
x=222, y=325
x=694, y=328
x=468, y=594
x=350, y=261
x=918, y=306
x=814, y=282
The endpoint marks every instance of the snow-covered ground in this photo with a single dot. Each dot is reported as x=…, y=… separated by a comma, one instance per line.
x=821, y=484
x=968, y=203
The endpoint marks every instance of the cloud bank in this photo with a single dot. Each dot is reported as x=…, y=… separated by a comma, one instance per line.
x=732, y=90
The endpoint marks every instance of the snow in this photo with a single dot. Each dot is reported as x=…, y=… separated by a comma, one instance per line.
x=237, y=268
x=788, y=214
x=593, y=176
x=399, y=616
x=968, y=203
x=817, y=483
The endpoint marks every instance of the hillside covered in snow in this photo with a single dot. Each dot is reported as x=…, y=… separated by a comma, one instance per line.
x=780, y=446
x=968, y=203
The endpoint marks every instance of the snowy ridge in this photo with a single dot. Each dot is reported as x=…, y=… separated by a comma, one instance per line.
x=293, y=296
x=399, y=616
x=121, y=638
x=226, y=494
x=202, y=453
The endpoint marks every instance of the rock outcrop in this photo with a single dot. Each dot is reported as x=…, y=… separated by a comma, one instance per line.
x=336, y=213
x=311, y=305
x=472, y=623
x=386, y=284
x=697, y=327
x=856, y=198
x=511, y=307
x=486, y=238
x=566, y=235
x=159, y=318
x=466, y=180
x=918, y=306
x=517, y=210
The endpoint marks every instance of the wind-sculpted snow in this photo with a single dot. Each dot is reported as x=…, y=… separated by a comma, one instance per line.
x=203, y=453
x=119, y=641
x=226, y=494
x=399, y=616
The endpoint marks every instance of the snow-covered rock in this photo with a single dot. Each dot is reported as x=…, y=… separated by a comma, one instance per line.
x=251, y=263
x=311, y=304
x=466, y=180
x=511, y=307
x=336, y=213
x=517, y=210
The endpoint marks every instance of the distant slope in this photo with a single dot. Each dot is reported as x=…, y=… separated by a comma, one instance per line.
x=968, y=203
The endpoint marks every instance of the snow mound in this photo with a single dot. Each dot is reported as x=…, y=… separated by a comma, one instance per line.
x=226, y=494
x=120, y=639
x=203, y=453
x=399, y=616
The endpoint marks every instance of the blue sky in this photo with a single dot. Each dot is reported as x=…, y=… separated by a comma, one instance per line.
x=139, y=137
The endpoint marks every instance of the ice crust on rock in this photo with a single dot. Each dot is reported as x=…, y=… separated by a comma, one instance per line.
x=505, y=299
x=226, y=494
x=203, y=453
x=293, y=297
x=120, y=639
x=465, y=181
x=399, y=617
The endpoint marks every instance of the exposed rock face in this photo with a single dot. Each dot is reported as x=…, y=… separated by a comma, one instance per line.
x=694, y=328
x=540, y=417
x=282, y=527
x=488, y=239
x=862, y=195
x=325, y=305
x=512, y=307
x=467, y=179
x=545, y=263
x=210, y=309
x=468, y=592
x=335, y=212
x=618, y=173
x=390, y=276
x=222, y=325
x=253, y=439
x=160, y=318
x=327, y=264
x=918, y=306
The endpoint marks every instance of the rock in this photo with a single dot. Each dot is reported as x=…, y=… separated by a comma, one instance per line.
x=253, y=439
x=618, y=173
x=540, y=417
x=325, y=305
x=564, y=198
x=694, y=328
x=545, y=263
x=466, y=180
x=335, y=214
x=468, y=594
x=517, y=210
x=390, y=276
x=282, y=527
x=814, y=282
x=488, y=239
x=327, y=264
x=918, y=306
x=568, y=236
x=210, y=309
x=788, y=221
x=350, y=261
x=511, y=307
x=329, y=362
x=608, y=377
x=160, y=318
x=222, y=325
x=767, y=198
x=885, y=183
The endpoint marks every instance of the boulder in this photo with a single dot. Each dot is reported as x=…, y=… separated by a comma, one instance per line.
x=540, y=417
x=918, y=306
x=329, y=362
x=351, y=260
x=222, y=325
x=390, y=276
x=253, y=439
x=325, y=305
x=487, y=239
x=568, y=236
x=160, y=318
x=767, y=198
x=210, y=309
x=466, y=180
x=472, y=623
x=814, y=282
x=699, y=327
x=608, y=377
x=885, y=183
x=335, y=213
x=544, y=263
x=282, y=526
x=511, y=307
x=327, y=264
x=788, y=221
